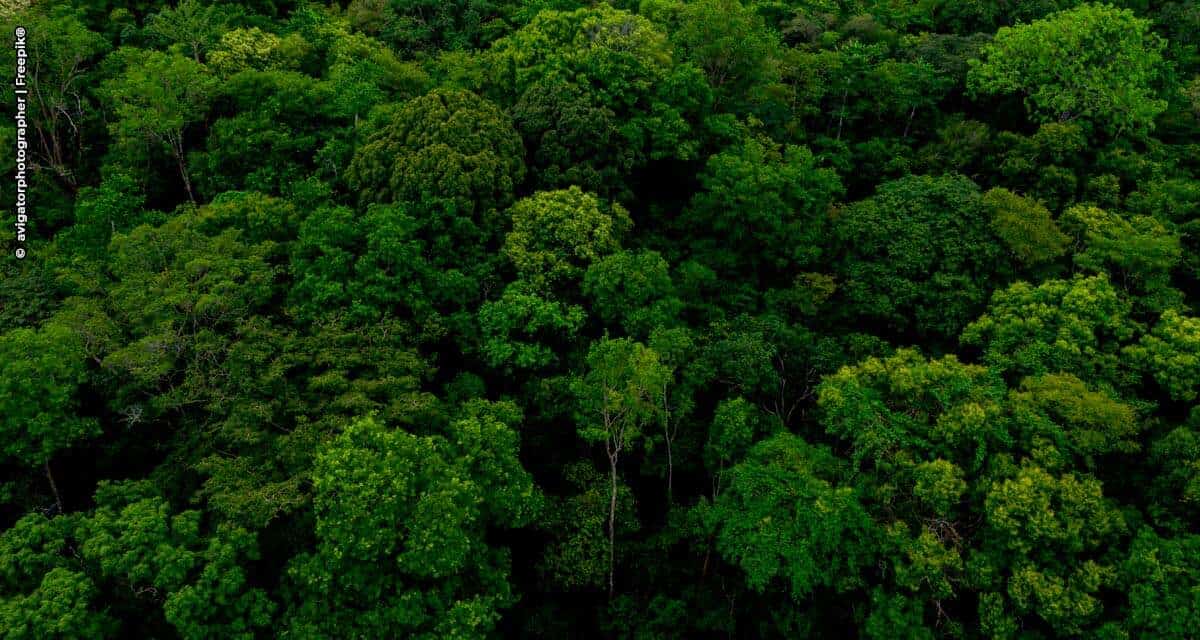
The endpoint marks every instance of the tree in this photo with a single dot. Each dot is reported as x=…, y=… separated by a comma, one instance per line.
x=1045, y=530
x=421, y=25
x=178, y=575
x=1140, y=250
x=178, y=306
x=620, y=63
x=916, y=256
x=619, y=395
x=1158, y=574
x=41, y=372
x=572, y=139
x=763, y=208
x=898, y=410
x=1171, y=354
x=1025, y=226
x=578, y=523
x=401, y=522
x=156, y=98
x=647, y=319
x=115, y=206
x=189, y=24
x=521, y=329
x=1076, y=326
x=447, y=143
x=786, y=515
x=61, y=110
x=1094, y=62
x=425, y=269
x=288, y=118
x=245, y=49
x=633, y=289
x=730, y=42
x=944, y=445
x=556, y=235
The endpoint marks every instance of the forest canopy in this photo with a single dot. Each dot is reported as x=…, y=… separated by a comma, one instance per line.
x=632, y=319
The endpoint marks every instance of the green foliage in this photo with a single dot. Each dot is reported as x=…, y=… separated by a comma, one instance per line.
x=644, y=320
x=40, y=379
x=1161, y=575
x=1171, y=354
x=573, y=139
x=424, y=269
x=243, y=49
x=61, y=51
x=621, y=392
x=634, y=290
x=132, y=547
x=157, y=98
x=916, y=256
x=400, y=525
x=1049, y=524
x=577, y=558
x=190, y=25
x=1025, y=226
x=762, y=208
x=783, y=518
x=517, y=327
x=1140, y=248
x=1075, y=326
x=621, y=62
x=730, y=42
x=556, y=235
x=1094, y=62
x=901, y=409
x=447, y=143
x=424, y=25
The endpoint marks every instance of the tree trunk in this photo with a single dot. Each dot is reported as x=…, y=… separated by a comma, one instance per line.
x=842, y=112
x=908, y=125
x=670, y=465
x=53, y=486
x=177, y=150
x=612, y=517
x=667, y=437
x=187, y=180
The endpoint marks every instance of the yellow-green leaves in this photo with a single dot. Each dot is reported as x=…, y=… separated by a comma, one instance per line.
x=445, y=144
x=1059, y=414
x=1025, y=226
x=1075, y=326
x=939, y=484
x=401, y=525
x=556, y=235
x=1171, y=354
x=903, y=407
x=1094, y=62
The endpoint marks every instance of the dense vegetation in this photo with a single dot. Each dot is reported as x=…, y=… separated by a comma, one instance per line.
x=658, y=319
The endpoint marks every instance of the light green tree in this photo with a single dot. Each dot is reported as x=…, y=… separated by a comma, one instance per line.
x=447, y=143
x=1095, y=62
x=618, y=396
x=41, y=372
x=556, y=235
x=401, y=527
x=1171, y=354
x=1026, y=226
x=156, y=99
